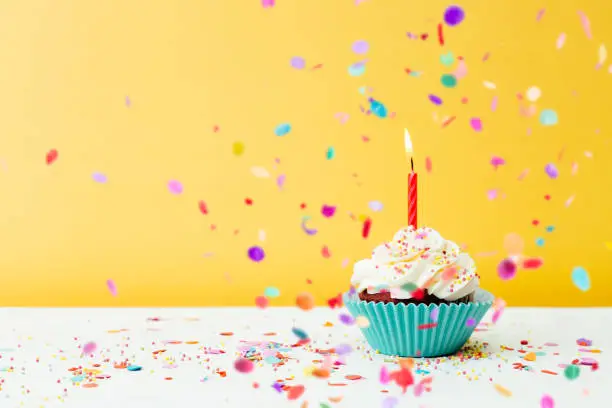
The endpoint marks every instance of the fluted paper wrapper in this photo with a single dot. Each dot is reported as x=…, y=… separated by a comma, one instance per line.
x=394, y=328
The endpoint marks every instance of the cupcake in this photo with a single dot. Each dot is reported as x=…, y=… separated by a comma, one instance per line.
x=420, y=294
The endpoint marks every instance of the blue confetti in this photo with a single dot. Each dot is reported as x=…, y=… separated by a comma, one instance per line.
x=550, y=228
x=282, y=129
x=357, y=69
x=581, y=279
x=134, y=368
x=378, y=108
x=271, y=292
x=301, y=334
x=540, y=242
x=548, y=117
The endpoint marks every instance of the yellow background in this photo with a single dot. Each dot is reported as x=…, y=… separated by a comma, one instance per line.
x=188, y=66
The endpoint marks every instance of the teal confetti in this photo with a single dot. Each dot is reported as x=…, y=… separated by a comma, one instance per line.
x=271, y=292
x=282, y=129
x=548, y=117
x=581, y=279
x=331, y=153
x=540, y=242
x=378, y=108
x=357, y=69
x=448, y=80
x=447, y=59
x=550, y=228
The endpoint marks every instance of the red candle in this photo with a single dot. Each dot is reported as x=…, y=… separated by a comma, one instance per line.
x=412, y=199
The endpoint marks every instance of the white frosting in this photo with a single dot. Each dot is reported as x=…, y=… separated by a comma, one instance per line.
x=417, y=259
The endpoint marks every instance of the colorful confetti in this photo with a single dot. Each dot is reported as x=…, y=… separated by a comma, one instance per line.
x=581, y=279
x=453, y=15
x=282, y=129
x=256, y=254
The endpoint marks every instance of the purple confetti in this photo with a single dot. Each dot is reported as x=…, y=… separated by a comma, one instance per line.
x=360, y=47
x=280, y=181
x=99, y=177
x=298, y=63
x=390, y=402
x=497, y=161
x=435, y=99
x=434, y=314
x=112, y=288
x=471, y=322
x=346, y=319
x=328, y=211
x=278, y=387
x=175, y=187
x=492, y=194
x=256, y=254
x=551, y=170
x=343, y=349
x=128, y=101
x=375, y=206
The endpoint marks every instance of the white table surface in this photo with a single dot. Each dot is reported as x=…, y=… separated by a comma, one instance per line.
x=38, y=346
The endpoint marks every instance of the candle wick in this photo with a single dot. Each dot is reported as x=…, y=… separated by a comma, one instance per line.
x=412, y=164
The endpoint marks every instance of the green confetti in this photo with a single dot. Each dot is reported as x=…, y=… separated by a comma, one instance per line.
x=572, y=372
x=324, y=405
x=448, y=80
x=409, y=287
x=331, y=153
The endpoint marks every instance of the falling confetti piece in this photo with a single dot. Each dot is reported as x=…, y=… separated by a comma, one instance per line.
x=305, y=301
x=533, y=94
x=476, y=124
x=260, y=172
x=434, y=314
x=489, y=85
x=435, y=99
x=99, y=178
x=532, y=263
x=547, y=402
x=540, y=14
x=588, y=154
x=51, y=156
x=377, y=108
x=523, y=174
x=548, y=117
x=427, y=326
x=561, y=41
x=342, y=117
x=362, y=322
x=502, y=390
x=267, y=3
x=331, y=153
x=586, y=24
x=448, y=80
x=551, y=171
x=238, y=148
x=603, y=54
x=89, y=348
x=390, y=402
x=175, y=187
x=298, y=63
x=580, y=278
x=571, y=372
x=325, y=252
x=497, y=161
x=112, y=288
x=461, y=70
x=256, y=253
x=440, y=34
x=360, y=47
x=261, y=302
x=243, y=365
x=309, y=231
x=447, y=59
x=295, y=392
x=574, y=168
x=328, y=211
x=494, y=103
x=356, y=69
x=384, y=376
x=428, y=164
x=540, y=242
x=282, y=129
x=271, y=292
x=492, y=194
x=453, y=15
x=203, y=208
x=506, y=269
x=375, y=206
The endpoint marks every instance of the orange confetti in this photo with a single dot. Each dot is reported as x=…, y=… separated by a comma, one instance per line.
x=295, y=392
x=226, y=334
x=353, y=377
x=549, y=372
x=90, y=385
x=335, y=399
x=530, y=356
x=503, y=391
x=305, y=301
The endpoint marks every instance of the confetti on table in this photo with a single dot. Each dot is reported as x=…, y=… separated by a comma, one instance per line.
x=532, y=263
x=365, y=231
x=243, y=365
x=547, y=402
x=282, y=129
x=203, y=208
x=377, y=108
x=581, y=279
x=175, y=187
x=297, y=63
x=497, y=161
x=89, y=348
x=261, y=302
x=112, y=288
x=325, y=252
x=448, y=80
x=502, y=390
x=571, y=372
x=435, y=99
x=51, y=156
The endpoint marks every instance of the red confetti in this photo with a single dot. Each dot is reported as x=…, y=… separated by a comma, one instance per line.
x=366, y=228
x=418, y=294
x=325, y=252
x=424, y=36
x=535, y=223
x=51, y=156
x=403, y=378
x=440, y=34
x=302, y=206
x=203, y=208
x=532, y=263
x=248, y=201
x=353, y=377
x=335, y=302
x=427, y=326
x=547, y=197
x=295, y=392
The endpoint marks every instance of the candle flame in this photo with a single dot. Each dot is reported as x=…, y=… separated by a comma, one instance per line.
x=407, y=142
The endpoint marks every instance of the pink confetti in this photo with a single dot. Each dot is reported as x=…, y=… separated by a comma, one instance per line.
x=494, y=104
x=461, y=70
x=280, y=181
x=345, y=262
x=523, y=174
x=267, y=3
x=506, y=269
x=89, y=347
x=540, y=14
x=569, y=201
x=560, y=41
x=476, y=124
x=112, y=288
x=492, y=194
x=175, y=187
x=384, y=377
x=497, y=161
x=328, y=211
x=342, y=117
x=428, y=164
x=547, y=402
x=586, y=24
x=574, y=168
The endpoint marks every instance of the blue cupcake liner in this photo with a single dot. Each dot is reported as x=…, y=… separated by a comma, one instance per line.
x=394, y=328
